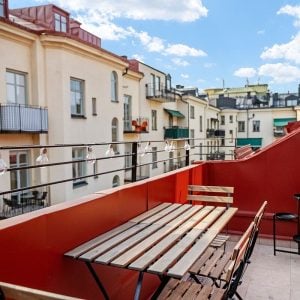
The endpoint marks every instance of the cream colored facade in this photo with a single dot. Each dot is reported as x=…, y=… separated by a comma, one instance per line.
x=50, y=63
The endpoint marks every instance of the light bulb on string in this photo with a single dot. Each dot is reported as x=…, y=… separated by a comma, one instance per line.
x=90, y=157
x=140, y=151
x=167, y=146
x=172, y=147
x=3, y=166
x=42, y=158
x=187, y=146
x=110, y=151
x=147, y=148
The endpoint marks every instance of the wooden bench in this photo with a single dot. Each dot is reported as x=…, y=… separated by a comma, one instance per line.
x=176, y=289
x=212, y=194
x=12, y=291
x=243, y=151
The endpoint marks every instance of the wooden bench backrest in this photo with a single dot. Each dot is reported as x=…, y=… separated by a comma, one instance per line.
x=12, y=291
x=260, y=214
x=239, y=251
x=210, y=193
x=243, y=151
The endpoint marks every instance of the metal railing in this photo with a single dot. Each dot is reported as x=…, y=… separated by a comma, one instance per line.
x=161, y=93
x=136, y=168
x=23, y=118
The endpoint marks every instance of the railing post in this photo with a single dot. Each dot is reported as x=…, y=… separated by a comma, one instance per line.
x=187, y=156
x=133, y=161
x=20, y=118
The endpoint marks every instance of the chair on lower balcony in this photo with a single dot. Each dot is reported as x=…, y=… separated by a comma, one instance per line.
x=10, y=207
x=41, y=201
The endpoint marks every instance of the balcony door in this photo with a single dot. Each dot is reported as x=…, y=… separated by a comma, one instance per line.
x=15, y=87
x=19, y=178
x=127, y=112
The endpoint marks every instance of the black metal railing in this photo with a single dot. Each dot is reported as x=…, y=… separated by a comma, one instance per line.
x=161, y=93
x=23, y=118
x=135, y=164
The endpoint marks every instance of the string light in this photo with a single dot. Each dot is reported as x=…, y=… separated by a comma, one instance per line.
x=3, y=166
x=187, y=146
x=147, y=148
x=110, y=151
x=140, y=151
x=90, y=157
x=42, y=158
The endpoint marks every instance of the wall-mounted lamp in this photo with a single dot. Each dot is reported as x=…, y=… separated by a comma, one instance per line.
x=42, y=158
x=90, y=157
x=110, y=151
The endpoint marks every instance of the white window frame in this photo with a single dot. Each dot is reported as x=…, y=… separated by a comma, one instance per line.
x=115, y=134
x=78, y=168
x=114, y=86
x=192, y=112
x=60, y=22
x=256, y=125
x=77, y=97
x=241, y=126
x=18, y=86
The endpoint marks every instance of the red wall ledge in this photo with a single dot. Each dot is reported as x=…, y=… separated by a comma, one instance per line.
x=32, y=245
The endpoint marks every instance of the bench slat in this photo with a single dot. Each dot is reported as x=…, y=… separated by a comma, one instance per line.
x=211, y=189
x=143, y=261
x=143, y=246
x=205, y=198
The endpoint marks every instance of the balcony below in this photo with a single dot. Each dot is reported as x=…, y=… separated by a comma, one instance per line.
x=176, y=132
x=136, y=125
x=160, y=93
x=23, y=118
x=212, y=133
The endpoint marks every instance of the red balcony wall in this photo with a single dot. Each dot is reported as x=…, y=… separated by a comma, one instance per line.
x=272, y=174
x=32, y=245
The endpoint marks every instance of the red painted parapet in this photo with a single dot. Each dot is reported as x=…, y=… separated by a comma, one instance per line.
x=33, y=245
x=270, y=174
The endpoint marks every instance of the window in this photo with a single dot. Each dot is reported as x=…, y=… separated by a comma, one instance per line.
x=114, y=87
x=168, y=82
x=256, y=126
x=154, y=157
x=292, y=102
x=16, y=87
x=231, y=136
x=230, y=119
x=116, y=181
x=1, y=8
x=241, y=126
x=192, y=112
x=77, y=96
x=154, y=119
x=200, y=151
x=60, y=23
x=18, y=178
x=157, y=84
x=79, y=168
x=114, y=134
x=152, y=85
x=201, y=123
x=222, y=120
x=95, y=170
x=127, y=113
x=192, y=136
x=94, y=106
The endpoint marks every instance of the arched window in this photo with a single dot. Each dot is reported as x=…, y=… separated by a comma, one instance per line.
x=114, y=86
x=114, y=133
x=116, y=181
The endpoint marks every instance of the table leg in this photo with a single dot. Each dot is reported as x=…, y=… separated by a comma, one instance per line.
x=164, y=280
x=139, y=286
x=95, y=276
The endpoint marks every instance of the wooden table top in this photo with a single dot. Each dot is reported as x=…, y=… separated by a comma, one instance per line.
x=165, y=240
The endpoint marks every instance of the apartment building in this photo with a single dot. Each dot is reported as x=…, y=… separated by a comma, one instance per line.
x=60, y=87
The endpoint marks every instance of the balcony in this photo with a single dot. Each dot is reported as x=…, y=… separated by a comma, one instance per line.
x=136, y=125
x=278, y=132
x=160, y=93
x=212, y=133
x=23, y=118
x=176, y=132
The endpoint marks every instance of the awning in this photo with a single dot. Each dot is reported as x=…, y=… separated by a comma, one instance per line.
x=253, y=142
x=174, y=113
x=283, y=121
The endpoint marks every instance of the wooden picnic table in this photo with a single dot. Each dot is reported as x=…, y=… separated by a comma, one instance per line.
x=166, y=240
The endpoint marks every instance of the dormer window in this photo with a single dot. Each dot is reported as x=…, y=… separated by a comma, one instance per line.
x=60, y=23
x=1, y=8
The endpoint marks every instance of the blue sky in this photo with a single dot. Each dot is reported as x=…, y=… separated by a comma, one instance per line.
x=200, y=43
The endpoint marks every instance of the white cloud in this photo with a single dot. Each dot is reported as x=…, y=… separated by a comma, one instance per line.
x=175, y=10
x=209, y=65
x=183, y=50
x=245, y=72
x=261, y=32
x=280, y=73
x=180, y=62
x=293, y=11
x=185, y=76
x=289, y=51
x=138, y=57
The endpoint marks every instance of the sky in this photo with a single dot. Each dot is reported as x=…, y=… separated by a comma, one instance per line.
x=204, y=44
